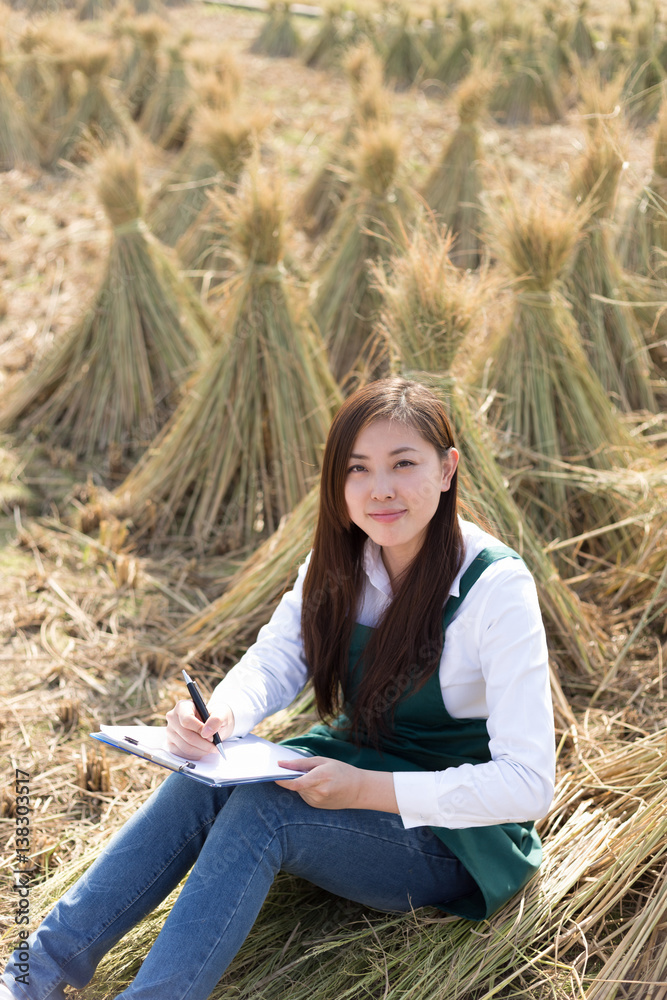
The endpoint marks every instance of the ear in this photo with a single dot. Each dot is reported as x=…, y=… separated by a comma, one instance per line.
x=449, y=464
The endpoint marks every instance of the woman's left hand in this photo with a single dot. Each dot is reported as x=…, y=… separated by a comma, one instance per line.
x=332, y=784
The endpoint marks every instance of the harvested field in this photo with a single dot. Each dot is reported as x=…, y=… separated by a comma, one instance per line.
x=95, y=625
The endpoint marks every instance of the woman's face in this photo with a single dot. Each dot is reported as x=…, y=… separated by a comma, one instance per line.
x=392, y=488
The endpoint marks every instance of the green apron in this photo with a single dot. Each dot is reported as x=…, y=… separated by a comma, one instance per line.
x=425, y=737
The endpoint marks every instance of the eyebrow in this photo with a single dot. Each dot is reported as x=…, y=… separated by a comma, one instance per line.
x=396, y=451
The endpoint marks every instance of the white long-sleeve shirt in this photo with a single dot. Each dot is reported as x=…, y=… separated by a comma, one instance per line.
x=494, y=666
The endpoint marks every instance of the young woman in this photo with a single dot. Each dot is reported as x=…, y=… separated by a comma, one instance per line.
x=436, y=758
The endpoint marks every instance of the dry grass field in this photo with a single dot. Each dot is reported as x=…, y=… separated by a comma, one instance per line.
x=88, y=613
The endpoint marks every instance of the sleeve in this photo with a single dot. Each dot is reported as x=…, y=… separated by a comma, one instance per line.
x=272, y=671
x=506, y=631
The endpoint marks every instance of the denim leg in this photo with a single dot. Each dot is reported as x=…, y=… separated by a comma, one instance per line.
x=141, y=865
x=364, y=856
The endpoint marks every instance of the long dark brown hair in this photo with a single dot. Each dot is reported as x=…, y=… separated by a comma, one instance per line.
x=405, y=648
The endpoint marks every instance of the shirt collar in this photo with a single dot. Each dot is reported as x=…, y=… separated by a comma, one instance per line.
x=377, y=574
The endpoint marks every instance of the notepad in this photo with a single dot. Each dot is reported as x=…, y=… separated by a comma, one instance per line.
x=248, y=758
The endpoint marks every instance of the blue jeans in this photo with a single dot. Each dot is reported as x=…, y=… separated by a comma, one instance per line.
x=235, y=853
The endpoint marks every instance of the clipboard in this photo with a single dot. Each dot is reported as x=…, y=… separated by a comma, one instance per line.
x=248, y=758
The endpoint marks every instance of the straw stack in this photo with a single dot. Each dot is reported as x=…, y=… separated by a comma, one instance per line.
x=582, y=42
x=430, y=314
x=34, y=81
x=549, y=402
x=245, y=443
x=112, y=381
x=144, y=79
x=324, y=49
x=167, y=101
x=455, y=63
x=454, y=186
x=645, y=77
x=205, y=247
x=369, y=228
x=212, y=156
x=278, y=37
x=429, y=307
x=321, y=201
x=97, y=119
x=643, y=241
x=18, y=145
x=612, y=337
x=527, y=92
x=405, y=58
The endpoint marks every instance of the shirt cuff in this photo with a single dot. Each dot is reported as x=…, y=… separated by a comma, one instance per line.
x=243, y=708
x=416, y=796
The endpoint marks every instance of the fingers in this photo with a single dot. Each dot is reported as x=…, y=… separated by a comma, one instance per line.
x=303, y=764
x=186, y=734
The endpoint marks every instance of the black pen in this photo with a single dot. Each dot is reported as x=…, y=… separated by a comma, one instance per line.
x=202, y=710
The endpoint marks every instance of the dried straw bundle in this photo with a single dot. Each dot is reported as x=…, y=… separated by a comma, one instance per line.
x=548, y=400
x=646, y=76
x=406, y=59
x=527, y=92
x=93, y=10
x=213, y=156
x=34, y=81
x=429, y=311
x=581, y=40
x=643, y=240
x=321, y=201
x=97, y=119
x=278, y=37
x=455, y=64
x=168, y=101
x=454, y=186
x=369, y=228
x=145, y=76
x=18, y=145
x=612, y=337
x=325, y=48
x=205, y=247
x=245, y=443
x=111, y=382
x=429, y=307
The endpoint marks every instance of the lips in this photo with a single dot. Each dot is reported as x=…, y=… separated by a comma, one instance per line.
x=386, y=516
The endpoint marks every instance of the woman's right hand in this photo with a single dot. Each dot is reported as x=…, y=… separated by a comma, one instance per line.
x=187, y=735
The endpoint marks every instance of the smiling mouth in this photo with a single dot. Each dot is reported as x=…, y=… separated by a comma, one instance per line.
x=388, y=515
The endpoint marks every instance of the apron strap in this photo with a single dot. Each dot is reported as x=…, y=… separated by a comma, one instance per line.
x=481, y=562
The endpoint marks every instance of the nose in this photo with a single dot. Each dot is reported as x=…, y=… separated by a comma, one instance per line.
x=382, y=488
